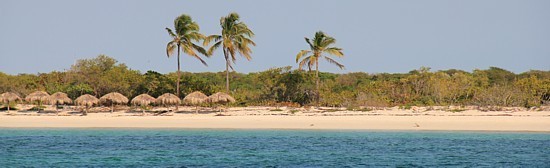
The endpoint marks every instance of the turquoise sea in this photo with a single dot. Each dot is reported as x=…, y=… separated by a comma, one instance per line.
x=269, y=148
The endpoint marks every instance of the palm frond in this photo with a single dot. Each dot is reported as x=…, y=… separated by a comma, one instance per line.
x=330, y=60
x=188, y=49
x=199, y=49
x=312, y=60
x=311, y=46
x=231, y=67
x=232, y=53
x=195, y=36
x=208, y=39
x=170, y=48
x=200, y=59
x=334, y=51
x=171, y=33
x=301, y=54
x=303, y=62
x=214, y=47
x=327, y=41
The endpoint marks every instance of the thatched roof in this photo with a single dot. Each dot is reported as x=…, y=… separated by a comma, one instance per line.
x=220, y=97
x=9, y=97
x=114, y=97
x=37, y=96
x=59, y=98
x=86, y=100
x=143, y=100
x=195, y=98
x=168, y=99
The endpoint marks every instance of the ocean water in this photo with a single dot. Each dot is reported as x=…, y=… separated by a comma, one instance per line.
x=269, y=148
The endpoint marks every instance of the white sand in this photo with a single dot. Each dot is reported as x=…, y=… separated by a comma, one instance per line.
x=262, y=118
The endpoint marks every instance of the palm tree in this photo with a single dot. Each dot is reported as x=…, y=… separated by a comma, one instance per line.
x=320, y=44
x=235, y=38
x=186, y=32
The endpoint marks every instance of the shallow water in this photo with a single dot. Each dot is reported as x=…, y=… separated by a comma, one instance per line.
x=269, y=148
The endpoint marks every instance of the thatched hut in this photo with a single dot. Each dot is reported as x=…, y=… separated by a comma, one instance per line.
x=86, y=100
x=220, y=97
x=112, y=99
x=195, y=98
x=9, y=97
x=168, y=99
x=59, y=98
x=38, y=96
x=143, y=100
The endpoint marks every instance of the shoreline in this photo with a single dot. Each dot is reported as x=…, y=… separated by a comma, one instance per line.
x=390, y=120
x=276, y=129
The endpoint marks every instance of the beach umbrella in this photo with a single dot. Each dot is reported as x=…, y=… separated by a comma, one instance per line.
x=86, y=100
x=39, y=96
x=168, y=99
x=143, y=100
x=112, y=99
x=195, y=98
x=59, y=98
x=220, y=97
x=9, y=97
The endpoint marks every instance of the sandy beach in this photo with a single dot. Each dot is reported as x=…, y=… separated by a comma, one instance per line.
x=268, y=118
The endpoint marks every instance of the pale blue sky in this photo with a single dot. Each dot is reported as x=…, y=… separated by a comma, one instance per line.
x=377, y=36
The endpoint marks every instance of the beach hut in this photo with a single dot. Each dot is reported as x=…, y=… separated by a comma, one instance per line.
x=168, y=99
x=143, y=100
x=112, y=99
x=195, y=98
x=86, y=100
x=59, y=98
x=38, y=96
x=9, y=97
x=220, y=98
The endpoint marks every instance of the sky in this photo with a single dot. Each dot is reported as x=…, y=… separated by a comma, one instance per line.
x=377, y=36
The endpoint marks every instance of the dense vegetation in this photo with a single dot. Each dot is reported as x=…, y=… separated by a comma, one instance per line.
x=277, y=86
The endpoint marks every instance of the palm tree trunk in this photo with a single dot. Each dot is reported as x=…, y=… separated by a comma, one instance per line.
x=226, y=71
x=317, y=81
x=178, y=84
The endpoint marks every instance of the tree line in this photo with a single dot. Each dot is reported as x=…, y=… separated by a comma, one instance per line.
x=287, y=86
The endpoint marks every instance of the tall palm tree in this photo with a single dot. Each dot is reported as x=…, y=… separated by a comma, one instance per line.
x=185, y=33
x=320, y=45
x=235, y=38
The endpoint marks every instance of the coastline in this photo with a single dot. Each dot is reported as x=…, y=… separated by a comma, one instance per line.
x=239, y=118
